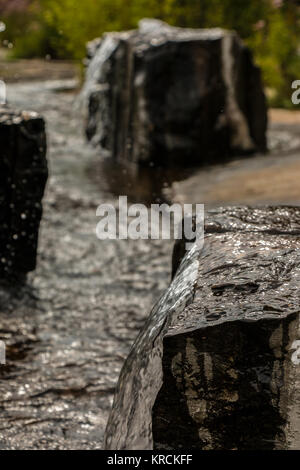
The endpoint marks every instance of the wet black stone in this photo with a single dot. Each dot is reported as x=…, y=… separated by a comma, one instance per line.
x=23, y=175
x=165, y=95
x=216, y=365
x=236, y=407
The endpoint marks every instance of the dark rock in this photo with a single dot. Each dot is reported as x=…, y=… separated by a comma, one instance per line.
x=23, y=175
x=217, y=364
x=161, y=94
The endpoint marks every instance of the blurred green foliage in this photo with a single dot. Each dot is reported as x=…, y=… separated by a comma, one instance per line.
x=61, y=28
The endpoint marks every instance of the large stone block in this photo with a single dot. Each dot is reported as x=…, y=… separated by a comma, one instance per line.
x=23, y=175
x=217, y=364
x=162, y=94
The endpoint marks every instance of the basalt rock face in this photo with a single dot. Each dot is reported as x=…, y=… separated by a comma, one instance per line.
x=23, y=175
x=217, y=364
x=161, y=95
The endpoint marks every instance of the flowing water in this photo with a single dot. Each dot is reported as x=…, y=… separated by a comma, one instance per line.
x=69, y=330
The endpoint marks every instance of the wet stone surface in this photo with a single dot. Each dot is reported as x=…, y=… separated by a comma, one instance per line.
x=23, y=170
x=163, y=95
x=69, y=330
x=221, y=343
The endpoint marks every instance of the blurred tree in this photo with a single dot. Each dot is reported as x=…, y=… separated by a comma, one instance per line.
x=76, y=23
x=276, y=43
x=26, y=33
x=62, y=28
